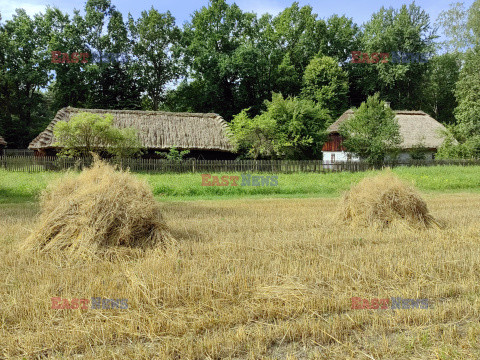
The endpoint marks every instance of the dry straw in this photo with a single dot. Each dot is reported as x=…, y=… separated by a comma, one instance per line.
x=100, y=211
x=383, y=200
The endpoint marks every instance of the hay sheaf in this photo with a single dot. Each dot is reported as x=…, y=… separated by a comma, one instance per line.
x=101, y=209
x=383, y=200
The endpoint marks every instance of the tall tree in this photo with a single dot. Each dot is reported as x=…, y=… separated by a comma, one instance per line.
x=25, y=64
x=326, y=83
x=463, y=140
x=468, y=94
x=67, y=36
x=299, y=35
x=342, y=37
x=113, y=84
x=460, y=26
x=439, y=91
x=156, y=39
x=4, y=84
x=239, y=59
x=210, y=40
x=404, y=30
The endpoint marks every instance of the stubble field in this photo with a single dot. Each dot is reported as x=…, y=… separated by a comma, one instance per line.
x=252, y=278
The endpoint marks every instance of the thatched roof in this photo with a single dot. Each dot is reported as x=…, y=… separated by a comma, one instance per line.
x=415, y=127
x=2, y=142
x=156, y=129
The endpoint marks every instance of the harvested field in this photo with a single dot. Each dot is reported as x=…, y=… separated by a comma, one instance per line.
x=254, y=279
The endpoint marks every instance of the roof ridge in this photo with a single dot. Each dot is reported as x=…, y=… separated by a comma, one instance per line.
x=153, y=112
x=396, y=111
x=418, y=112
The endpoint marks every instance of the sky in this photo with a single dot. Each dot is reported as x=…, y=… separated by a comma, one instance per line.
x=182, y=10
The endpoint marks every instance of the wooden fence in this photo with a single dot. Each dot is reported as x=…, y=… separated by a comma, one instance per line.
x=18, y=152
x=36, y=164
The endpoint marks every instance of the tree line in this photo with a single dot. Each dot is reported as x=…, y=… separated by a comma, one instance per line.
x=279, y=80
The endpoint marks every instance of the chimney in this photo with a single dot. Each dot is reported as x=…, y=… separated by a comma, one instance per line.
x=387, y=104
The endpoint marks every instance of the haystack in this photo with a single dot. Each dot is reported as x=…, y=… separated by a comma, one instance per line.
x=383, y=200
x=101, y=209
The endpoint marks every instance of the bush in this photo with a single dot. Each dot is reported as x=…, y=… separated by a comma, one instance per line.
x=372, y=132
x=290, y=128
x=87, y=132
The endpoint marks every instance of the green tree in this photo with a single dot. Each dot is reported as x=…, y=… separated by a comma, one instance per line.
x=86, y=132
x=4, y=86
x=112, y=84
x=326, y=83
x=342, y=38
x=461, y=27
x=255, y=73
x=237, y=59
x=389, y=30
x=255, y=137
x=67, y=36
x=298, y=34
x=457, y=145
x=286, y=77
x=210, y=41
x=156, y=39
x=289, y=128
x=186, y=97
x=464, y=137
x=439, y=90
x=372, y=132
x=468, y=94
x=473, y=22
x=24, y=73
x=452, y=149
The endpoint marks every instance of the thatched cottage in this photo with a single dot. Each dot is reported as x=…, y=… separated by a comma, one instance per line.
x=416, y=128
x=205, y=135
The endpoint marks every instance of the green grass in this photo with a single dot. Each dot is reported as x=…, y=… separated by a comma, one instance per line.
x=18, y=187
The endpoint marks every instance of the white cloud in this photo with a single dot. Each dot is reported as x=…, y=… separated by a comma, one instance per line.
x=7, y=8
x=261, y=7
